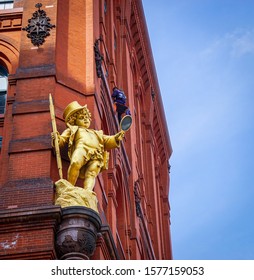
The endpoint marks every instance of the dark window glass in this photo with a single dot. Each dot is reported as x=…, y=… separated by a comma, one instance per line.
x=3, y=88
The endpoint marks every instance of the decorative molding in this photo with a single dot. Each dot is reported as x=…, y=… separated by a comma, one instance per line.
x=20, y=227
x=11, y=21
x=1, y=120
x=38, y=26
x=38, y=143
x=111, y=248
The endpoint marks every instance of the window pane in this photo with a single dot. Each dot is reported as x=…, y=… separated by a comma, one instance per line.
x=3, y=88
x=8, y=6
x=3, y=83
x=2, y=102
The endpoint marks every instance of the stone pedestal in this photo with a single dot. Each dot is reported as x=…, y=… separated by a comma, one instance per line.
x=77, y=233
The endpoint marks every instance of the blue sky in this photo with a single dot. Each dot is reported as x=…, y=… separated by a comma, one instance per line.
x=204, y=56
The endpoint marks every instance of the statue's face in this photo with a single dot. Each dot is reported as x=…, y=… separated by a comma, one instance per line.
x=83, y=121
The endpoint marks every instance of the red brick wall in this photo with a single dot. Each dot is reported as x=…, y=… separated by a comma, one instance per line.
x=133, y=193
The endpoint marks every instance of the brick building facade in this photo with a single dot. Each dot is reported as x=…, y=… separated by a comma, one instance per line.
x=91, y=46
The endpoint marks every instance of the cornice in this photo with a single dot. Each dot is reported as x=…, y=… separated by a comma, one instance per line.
x=145, y=56
x=11, y=19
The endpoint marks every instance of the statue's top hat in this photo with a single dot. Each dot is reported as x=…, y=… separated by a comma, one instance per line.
x=72, y=108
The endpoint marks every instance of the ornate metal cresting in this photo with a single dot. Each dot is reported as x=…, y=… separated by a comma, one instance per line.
x=98, y=58
x=169, y=167
x=137, y=201
x=38, y=26
x=153, y=94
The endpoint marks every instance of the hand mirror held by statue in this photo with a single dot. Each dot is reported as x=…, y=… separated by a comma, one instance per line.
x=126, y=123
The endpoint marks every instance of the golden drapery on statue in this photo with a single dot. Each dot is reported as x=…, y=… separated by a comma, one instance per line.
x=87, y=151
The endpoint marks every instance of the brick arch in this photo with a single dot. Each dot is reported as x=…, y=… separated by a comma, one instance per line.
x=9, y=53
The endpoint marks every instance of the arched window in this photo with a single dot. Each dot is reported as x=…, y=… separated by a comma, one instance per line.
x=3, y=88
x=5, y=4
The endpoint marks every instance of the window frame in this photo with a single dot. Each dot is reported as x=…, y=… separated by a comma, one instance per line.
x=3, y=91
x=9, y=3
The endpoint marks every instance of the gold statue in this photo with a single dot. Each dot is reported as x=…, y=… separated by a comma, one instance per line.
x=87, y=150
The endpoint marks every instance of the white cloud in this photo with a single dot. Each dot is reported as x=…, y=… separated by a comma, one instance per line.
x=237, y=43
x=242, y=42
x=207, y=92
